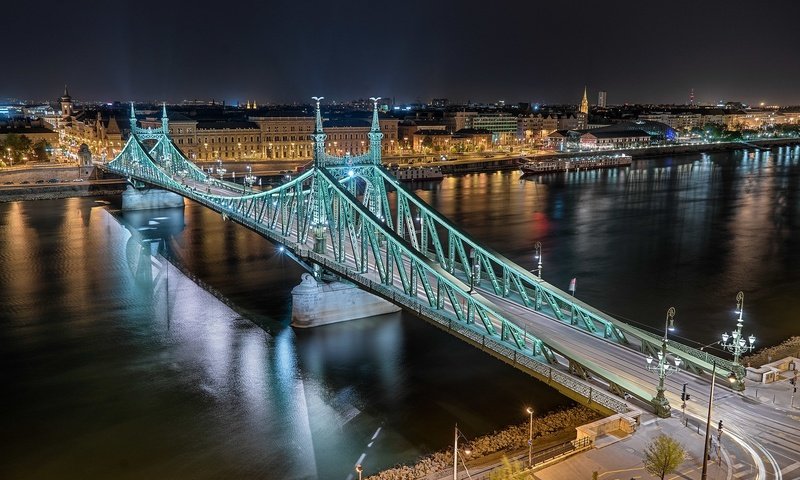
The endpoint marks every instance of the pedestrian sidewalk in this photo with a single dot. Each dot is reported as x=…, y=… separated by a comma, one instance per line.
x=623, y=458
x=780, y=393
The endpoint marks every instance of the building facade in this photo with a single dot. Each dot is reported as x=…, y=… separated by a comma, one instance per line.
x=602, y=98
x=271, y=138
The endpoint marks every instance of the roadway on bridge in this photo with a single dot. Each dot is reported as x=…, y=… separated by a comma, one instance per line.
x=772, y=433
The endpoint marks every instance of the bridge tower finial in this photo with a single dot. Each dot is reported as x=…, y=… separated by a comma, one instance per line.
x=318, y=136
x=375, y=135
x=133, y=118
x=375, y=125
x=164, y=119
x=318, y=124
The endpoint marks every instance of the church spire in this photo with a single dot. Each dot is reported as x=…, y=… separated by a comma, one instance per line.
x=66, y=92
x=584, y=103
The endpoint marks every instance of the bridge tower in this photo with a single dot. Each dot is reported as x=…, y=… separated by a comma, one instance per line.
x=319, y=225
x=133, y=118
x=319, y=136
x=164, y=119
x=375, y=134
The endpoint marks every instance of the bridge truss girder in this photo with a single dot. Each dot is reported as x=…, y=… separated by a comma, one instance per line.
x=343, y=214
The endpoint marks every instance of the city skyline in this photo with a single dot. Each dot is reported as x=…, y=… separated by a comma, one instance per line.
x=510, y=51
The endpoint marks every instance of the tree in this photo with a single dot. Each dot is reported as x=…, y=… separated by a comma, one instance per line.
x=663, y=456
x=40, y=149
x=508, y=471
x=17, y=146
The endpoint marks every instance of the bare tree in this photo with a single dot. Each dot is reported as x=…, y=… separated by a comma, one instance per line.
x=509, y=470
x=663, y=456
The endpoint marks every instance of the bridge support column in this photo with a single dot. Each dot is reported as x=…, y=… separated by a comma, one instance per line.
x=149, y=199
x=320, y=303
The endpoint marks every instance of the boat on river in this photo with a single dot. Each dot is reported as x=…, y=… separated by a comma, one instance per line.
x=417, y=174
x=576, y=163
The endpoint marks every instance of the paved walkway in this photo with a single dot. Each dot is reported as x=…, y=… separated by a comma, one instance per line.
x=622, y=459
x=779, y=393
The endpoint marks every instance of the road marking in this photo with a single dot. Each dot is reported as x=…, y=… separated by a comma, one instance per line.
x=374, y=435
x=790, y=468
x=619, y=471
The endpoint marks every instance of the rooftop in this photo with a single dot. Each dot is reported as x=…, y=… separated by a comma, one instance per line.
x=233, y=125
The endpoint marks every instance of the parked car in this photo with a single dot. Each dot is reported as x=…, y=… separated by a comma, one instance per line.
x=53, y=180
x=39, y=181
x=24, y=182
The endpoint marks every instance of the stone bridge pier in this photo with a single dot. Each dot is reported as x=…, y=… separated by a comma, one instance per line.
x=316, y=303
x=149, y=199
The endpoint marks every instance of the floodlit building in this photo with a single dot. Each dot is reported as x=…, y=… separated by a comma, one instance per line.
x=602, y=97
x=600, y=139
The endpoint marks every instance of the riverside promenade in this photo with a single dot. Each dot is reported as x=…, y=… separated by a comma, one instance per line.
x=621, y=457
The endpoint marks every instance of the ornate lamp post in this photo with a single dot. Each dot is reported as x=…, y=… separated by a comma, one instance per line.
x=663, y=367
x=359, y=469
x=538, y=257
x=736, y=343
x=530, y=437
x=249, y=179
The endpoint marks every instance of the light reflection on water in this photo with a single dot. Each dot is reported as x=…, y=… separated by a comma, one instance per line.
x=110, y=376
x=119, y=366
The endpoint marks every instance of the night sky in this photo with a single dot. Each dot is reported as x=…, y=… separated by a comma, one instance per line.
x=520, y=51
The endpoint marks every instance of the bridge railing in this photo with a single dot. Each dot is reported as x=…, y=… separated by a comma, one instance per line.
x=513, y=355
x=510, y=347
x=505, y=276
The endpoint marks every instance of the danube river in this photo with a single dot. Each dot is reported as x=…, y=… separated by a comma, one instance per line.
x=107, y=374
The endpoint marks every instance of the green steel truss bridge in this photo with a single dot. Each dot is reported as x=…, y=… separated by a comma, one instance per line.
x=348, y=216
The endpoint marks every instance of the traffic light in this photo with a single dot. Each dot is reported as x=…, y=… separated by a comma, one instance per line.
x=684, y=396
x=720, y=426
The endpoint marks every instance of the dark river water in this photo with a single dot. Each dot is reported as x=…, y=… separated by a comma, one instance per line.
x=108, y=375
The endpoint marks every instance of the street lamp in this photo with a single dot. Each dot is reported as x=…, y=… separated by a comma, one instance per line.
x=663, y=367
x=359, y=469
x=474, y=271
x=731, y=378
x=467, y=451
x=250, y=179
x=530, y=437
x=538, y=256
x=735, y=342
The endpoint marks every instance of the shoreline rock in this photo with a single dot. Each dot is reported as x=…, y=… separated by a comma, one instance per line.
x=514, y=437
x=788, y=348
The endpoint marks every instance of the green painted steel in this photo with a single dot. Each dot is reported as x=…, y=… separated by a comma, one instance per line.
x=351, y=217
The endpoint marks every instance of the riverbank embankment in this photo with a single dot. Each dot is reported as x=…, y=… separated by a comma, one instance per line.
x=558, y=426
x=44, y=182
